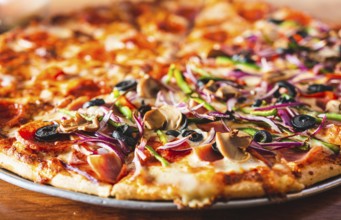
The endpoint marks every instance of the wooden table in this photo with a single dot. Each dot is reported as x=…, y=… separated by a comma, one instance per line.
x=18, y=203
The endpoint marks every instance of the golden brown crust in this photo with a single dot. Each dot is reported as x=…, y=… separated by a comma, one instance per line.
x=62, y=179
x=49, y=70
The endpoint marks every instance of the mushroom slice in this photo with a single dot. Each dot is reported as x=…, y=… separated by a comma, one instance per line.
x=225, y=92
x=154, y=119
x=148, y=87
x=166, y=117
x=173, y=117
x=106, y=166
x=78, y=123
x=334, y=106
x=233, y=144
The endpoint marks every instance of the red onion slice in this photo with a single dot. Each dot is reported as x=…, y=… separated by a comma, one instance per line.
x=270, y=93
x=281, y=145
x=174, y=143
x=111, y=146
x=225, y=125
x=231, y=103
x=189, y=74
x=284, y=105
x=105, y=119
x=268, y=121
x=324, y=119
x=80, y=172
x=285, y=117
x=254, y=145
x=113, y=117
x=205, y=116
x=139, y=123
x=210, y=137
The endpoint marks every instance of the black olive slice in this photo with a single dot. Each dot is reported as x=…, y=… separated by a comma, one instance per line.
x=276, y=21
x=173, y=133
x=302, y=32
x=47, y=133
x=202, y=82
x=303, y=122
x=262, y=136
x=126, y=85
x=244, y=57
x=257, y=103
x=284, y=99
x=214, y=53
x=314, y=88
x=290, y=88
x=125, y=129
x=215, y=149
x=127, y=139
x=184, y=122
x=229, y=115
x=94, y=102
x=144, y=109
x=194, y=136
x=241, y=99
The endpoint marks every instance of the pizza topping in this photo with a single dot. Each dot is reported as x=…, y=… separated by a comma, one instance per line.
x=47, y=133
x=143, y=109
x=147, y=87
x=106, y=166
x=207, y=153
x=173, y=133
x=193, y=135
x=290, y=89
x=303, y=122
x=125, y=134
x=94, y=102
x=314, y=88
x=162, y=160
x=262, y=136
x=79, y=123
x=166, y=117
x=126, y=85
x=233, y=144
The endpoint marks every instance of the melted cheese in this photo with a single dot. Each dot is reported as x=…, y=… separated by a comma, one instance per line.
x=226, y=165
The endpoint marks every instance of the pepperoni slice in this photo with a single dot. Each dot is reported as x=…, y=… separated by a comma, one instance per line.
x=11, y=114
x=26, y=135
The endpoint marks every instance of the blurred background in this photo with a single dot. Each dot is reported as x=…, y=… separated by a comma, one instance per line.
x=13, y=10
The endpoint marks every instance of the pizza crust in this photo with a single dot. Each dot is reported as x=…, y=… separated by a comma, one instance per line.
x=199, y=188
x=65, y=179
x=317, y=172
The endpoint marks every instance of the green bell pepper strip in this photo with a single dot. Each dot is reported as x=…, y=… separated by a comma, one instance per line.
x=125, y=110
x=170, y=73
x=205, y=104
x=333, y=147
x=202, y=72
x=116, y=93
x=68, y=112
x=271, y=112
x=250, y=131
x=333, y=116
x=162, y=160
x=181, y=82
x=161, y=136
x=228, y=60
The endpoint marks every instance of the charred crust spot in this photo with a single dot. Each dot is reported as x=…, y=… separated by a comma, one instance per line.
x=234, y=178
x=311, y=173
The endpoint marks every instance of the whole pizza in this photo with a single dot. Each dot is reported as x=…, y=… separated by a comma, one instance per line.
x=187, y=101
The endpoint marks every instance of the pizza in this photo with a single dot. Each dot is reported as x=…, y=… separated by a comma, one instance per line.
x=192, y=102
